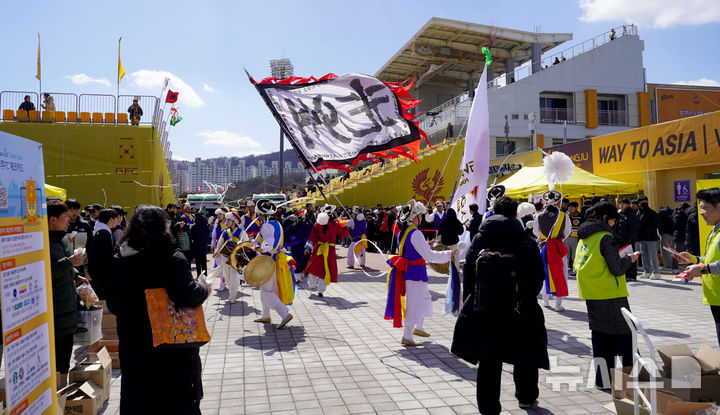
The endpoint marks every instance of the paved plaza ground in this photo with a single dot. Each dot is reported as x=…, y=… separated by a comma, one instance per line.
x=339, y=356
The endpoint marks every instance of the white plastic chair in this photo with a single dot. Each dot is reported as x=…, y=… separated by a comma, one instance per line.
x=639, y=362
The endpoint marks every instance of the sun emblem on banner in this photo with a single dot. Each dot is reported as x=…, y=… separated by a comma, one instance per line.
x=423, y=186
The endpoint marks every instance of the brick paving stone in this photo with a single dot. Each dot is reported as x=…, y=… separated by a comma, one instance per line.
x=339, y=355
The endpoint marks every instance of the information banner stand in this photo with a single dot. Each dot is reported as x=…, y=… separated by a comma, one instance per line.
x=25, y=280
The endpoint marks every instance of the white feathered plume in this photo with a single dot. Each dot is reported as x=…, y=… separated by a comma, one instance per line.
x=558, y=168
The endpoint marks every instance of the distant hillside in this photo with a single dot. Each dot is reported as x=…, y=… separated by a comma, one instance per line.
x=289, y=155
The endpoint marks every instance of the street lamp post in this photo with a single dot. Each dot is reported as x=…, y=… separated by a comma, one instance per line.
x=281, y=69
x=532, y=126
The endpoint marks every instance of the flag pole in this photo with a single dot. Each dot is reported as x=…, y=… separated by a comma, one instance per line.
x=39, y=72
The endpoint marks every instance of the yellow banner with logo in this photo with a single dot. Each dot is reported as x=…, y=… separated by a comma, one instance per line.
x=688, y=142
x=425, y=181
x=106, y=164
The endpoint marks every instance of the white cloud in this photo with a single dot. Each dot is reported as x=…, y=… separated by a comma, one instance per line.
x=154, y=81
x=701, y=82
x=651, y=13
x=208, y=88
x=180, y=158
x=82, y=79
x=228, y=139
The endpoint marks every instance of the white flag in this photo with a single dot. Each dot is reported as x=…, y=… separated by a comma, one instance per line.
x=472, y=183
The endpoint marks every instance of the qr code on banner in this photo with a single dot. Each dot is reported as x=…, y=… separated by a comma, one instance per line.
x=3, y=197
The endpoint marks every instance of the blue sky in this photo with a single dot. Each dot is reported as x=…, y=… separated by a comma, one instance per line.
x=205, y=46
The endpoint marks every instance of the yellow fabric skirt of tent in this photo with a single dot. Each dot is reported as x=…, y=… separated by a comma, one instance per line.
x=532, y=180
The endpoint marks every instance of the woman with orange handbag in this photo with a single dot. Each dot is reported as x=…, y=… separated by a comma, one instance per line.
x=164, y=379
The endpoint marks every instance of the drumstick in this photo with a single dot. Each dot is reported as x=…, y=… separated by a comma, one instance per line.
x=217, y=253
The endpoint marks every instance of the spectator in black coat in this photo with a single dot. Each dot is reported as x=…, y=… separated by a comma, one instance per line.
x=692, y=232
x=199, y=241
x=79, y=231
x=476, y=220
x=155, y=380
x=648, y=225
x=450, y=233
x=679, y=220
x=510, y=326
x=101, y=252
x=27, y=104
x=627, y=230
x=665, y=215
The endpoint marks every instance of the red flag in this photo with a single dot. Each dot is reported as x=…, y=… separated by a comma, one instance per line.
x=172, y=97
x=187, y=188
x=199, y=188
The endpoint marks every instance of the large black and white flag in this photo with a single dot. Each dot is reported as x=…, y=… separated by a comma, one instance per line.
x=335, y=120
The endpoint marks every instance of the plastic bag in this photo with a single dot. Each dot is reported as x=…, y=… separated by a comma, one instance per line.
x=89, y=326
x=87, y=294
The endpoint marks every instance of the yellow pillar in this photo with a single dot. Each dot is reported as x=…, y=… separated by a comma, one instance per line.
x=651, y=189
x=643, y=108
x=591, y=108
x=540, y=140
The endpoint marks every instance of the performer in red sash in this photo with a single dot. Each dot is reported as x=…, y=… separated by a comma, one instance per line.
x=322, y=266
x=552, y=226
x=408, y=276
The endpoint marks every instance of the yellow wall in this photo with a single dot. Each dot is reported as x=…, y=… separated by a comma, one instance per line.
x=405, y=181
x=643, y=108
x=591, y=108
x=85, y=159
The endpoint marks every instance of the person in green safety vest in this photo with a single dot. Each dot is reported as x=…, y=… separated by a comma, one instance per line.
x=708, y=267
x=601, y=283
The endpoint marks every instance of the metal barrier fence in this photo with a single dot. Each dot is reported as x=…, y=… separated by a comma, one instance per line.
x=63, y=101
x=96, y=103
x=549, y=60
x=84, y=103
x=147, y=103
x=11, y=100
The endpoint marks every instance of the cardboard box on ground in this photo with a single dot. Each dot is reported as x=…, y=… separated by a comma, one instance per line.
x=98, y=371
x=89, y=387
x=691, y=376
x=695, y=391
x=82, y=398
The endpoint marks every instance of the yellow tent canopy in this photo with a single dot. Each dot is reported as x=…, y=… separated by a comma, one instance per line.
x=53, y=191
x=531, y=180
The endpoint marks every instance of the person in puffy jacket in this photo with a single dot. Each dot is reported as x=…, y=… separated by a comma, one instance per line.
x=601, y=283
x=648, y=225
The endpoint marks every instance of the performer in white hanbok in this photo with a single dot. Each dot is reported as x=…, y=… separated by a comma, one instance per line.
x=408, y=276
x=279, y=290
x=358, y=240
x=218, y=228
x=233, y=235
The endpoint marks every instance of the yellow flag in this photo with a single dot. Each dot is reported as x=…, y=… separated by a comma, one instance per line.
x=121, y=68
x=38, y=60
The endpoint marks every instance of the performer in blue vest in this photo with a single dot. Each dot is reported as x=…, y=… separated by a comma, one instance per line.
x=408, y=276
x=279, y=290
x=296, y=237
x=218, y=228
x=250, y=221
x=438, y=216
x=358, y=243
x=235, y=234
